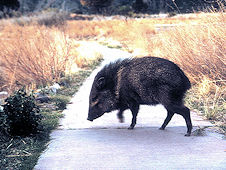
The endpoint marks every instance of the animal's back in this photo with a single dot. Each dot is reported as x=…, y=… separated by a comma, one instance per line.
x=157, y=71
x=150, y=77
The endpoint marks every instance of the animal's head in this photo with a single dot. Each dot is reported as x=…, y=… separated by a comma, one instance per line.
x=102, y=98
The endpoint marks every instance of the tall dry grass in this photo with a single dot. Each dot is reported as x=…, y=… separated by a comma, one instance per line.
x=196, y=42
x=34, y=55
x=127, y=30
x=199, y=48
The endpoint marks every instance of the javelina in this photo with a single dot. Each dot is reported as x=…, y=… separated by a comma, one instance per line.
x=149, y=80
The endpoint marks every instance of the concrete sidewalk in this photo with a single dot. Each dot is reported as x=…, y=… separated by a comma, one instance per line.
x=122, y=149
x=107, y=144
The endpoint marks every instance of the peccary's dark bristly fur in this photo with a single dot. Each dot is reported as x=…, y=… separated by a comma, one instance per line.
x=110, y=71
x=125, y=84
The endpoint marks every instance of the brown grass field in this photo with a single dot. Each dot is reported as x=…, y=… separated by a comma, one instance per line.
x=38, y=55
x=35, y=55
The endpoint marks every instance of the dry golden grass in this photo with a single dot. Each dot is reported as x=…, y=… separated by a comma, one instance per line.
x=121, y=29
x=35, y=55
x=190, y=40
x=196, y=42
x=198, y=48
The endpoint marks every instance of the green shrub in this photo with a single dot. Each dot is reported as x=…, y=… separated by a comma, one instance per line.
x=61, y=101
x=21, y=115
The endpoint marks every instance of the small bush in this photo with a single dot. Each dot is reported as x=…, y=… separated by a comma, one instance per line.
x=52, y=18
x=21, y=115
x=61, y=101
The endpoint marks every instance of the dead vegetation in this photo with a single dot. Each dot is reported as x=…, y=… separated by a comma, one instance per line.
x=36, y=56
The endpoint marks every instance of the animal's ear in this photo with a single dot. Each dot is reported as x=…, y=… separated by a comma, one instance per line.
x=101, y=83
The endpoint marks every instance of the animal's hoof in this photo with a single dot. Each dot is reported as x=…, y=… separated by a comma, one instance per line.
x=188, y=134
x=130, y=128
x=161, y=128
x=121, y=120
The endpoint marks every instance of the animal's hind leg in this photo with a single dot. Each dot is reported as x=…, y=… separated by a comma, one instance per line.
x=187, y=117
x=168, y=118
x=174, y=104
x=185, y=112
x=165, y=100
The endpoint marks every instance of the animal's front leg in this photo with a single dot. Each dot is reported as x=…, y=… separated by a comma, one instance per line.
x=120, y=116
